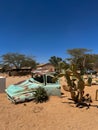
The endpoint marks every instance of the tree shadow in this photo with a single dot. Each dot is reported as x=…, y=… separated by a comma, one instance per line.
x=94, y=106
x=79, y=104
x=71, y=103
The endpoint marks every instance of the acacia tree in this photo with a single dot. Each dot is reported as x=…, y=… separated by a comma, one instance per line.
x=55, y=61
x=95, y=61
x=81, y=58
x=58, y=63
x=18, y=60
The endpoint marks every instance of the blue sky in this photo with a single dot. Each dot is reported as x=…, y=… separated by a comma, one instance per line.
x=45, y=28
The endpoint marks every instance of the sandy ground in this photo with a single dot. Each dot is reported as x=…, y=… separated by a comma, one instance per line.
x=56, y=114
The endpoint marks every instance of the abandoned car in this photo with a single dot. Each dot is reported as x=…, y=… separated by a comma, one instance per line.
x=24, y=91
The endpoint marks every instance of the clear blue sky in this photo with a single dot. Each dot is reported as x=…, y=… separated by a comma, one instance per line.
x=45, y=28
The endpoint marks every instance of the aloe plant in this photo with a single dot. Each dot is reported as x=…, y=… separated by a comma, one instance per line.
x=40, y=95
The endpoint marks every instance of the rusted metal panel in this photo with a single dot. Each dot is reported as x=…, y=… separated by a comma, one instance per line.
x=24, y=91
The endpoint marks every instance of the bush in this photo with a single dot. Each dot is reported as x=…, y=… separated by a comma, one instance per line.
x=40, y=95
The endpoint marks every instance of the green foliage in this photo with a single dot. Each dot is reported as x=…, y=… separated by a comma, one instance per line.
x=77, y=52
x=58, y=63
x=4, y=68
x=55, y=60
x=18, y=60
x=89, y=81
x=69, y=81
x=82, y=58
x=76, y=86
x=76, y=89
x=40, y=95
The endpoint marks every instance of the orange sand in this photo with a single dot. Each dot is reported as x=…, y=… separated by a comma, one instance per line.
x=56, y=114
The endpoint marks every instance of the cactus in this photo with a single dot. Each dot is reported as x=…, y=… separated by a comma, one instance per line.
x=89, y=81
x=76, y=90
x=76, y=86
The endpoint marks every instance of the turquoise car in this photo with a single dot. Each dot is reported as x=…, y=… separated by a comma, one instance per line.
x=24, y=91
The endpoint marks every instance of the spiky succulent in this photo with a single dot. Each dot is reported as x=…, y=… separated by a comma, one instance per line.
x=40, y=95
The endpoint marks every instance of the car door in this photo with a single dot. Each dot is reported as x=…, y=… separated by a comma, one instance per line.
x=52, y=87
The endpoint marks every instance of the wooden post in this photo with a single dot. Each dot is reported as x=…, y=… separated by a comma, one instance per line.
x=96, y=96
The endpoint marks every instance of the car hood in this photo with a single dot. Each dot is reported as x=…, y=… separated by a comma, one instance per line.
x=27, y=86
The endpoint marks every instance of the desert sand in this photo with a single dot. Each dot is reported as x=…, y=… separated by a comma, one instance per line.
x=59, y=113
